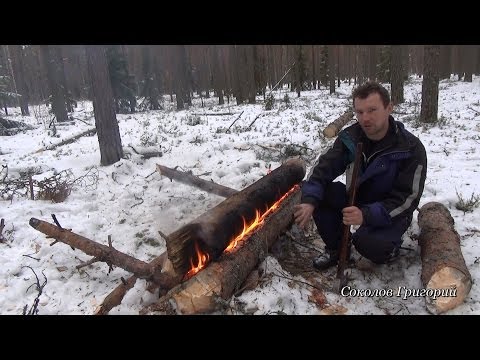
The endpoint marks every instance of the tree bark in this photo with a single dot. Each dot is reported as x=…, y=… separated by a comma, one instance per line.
x=443, y=265
x=189, y=179
x=335, y=126
x=222, y=278
x=103, y=105
x=429, y=108
x=396, y=74
x=19, y=71
x=54, y=81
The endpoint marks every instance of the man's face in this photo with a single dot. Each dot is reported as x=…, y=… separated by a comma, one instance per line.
x=373, y=116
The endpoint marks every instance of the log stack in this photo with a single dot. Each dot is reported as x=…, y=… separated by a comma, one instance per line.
x=204, y=292
x=212, y=232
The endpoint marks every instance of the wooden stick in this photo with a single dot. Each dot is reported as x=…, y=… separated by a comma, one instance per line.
x=116, y=295
x=345, y=242
x=188, y=179
x=234, y=121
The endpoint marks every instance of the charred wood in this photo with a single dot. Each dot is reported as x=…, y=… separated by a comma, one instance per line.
x=212, y=232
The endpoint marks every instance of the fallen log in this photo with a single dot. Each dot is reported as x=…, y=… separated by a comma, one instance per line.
x=148, y=154
x=205, y=292
x=151, y=272
x=68, y=141
x=213, y=114
x=190, y=179
x=335, y=126
x=444, y=271
x=12, y=127
x=212, y=232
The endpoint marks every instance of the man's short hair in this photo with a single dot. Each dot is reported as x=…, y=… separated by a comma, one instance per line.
x=371, y=87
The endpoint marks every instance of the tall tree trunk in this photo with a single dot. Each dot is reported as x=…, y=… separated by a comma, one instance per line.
x=58, y=55
x=54, y=83
x=180, y=78
x=18, y=72
x=217, y=75
x=429, y=110
x=445, y=61
x=469, y=53
x=250, y=72
x=103, y=106
x=331, y=68
x=314, y=75
x=396, y=75
x=372, y=62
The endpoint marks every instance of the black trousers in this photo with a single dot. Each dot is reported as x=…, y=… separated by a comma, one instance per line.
x=375, y=243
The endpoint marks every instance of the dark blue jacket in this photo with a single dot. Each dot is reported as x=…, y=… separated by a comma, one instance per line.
x=390, y=182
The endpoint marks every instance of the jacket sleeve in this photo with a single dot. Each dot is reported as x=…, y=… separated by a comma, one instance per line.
x=406, y=192
x=329, y=166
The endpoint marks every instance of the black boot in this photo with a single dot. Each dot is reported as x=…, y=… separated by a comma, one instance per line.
x=328, y=259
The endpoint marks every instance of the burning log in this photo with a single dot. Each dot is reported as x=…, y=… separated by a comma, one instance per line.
x=334, y=127
x=212, y=232
x=203, y=293
x=444, y=271
x=189, y=179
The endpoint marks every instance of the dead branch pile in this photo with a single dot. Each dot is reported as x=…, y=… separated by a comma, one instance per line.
x=56, y=187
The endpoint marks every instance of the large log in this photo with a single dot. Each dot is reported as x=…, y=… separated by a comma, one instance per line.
x=444, y=271
x=190, y=179
x=335, y=126
x=212, y=232
x=204, y=292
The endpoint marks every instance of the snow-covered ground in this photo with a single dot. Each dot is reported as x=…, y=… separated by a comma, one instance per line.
x=131, y=201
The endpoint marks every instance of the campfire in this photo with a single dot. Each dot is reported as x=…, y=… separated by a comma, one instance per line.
x=222, y=228
x=200, y=259
x=209, y=258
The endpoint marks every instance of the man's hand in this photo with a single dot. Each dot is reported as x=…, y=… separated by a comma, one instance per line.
x=302, y=214
x=352, y=215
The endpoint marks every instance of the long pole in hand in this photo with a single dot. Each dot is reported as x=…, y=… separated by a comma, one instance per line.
x=345, y=243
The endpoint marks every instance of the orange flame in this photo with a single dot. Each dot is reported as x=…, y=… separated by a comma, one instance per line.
x=258, y=221
x=202, y=258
